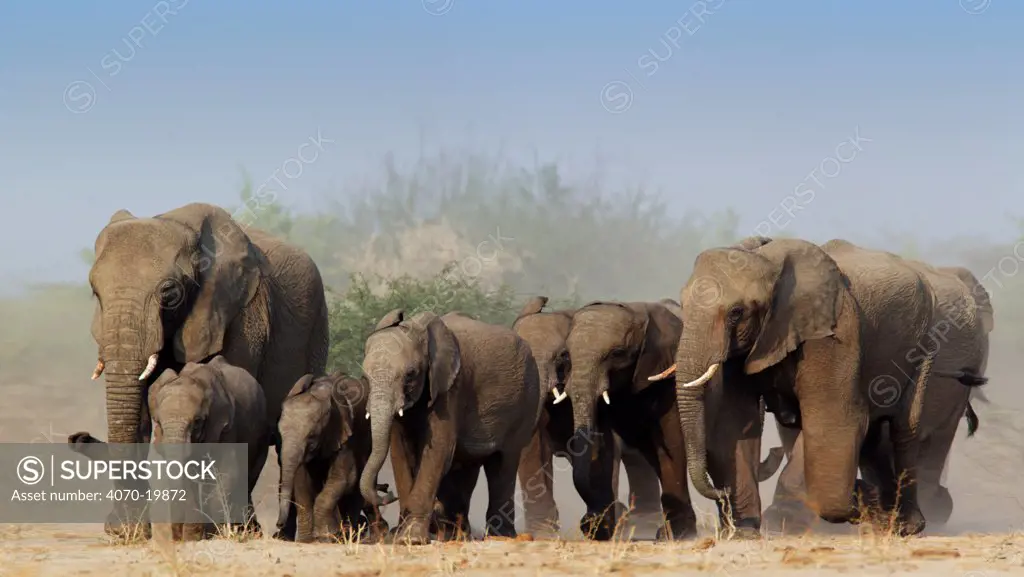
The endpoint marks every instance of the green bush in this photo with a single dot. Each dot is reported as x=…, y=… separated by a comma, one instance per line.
x=355, y=313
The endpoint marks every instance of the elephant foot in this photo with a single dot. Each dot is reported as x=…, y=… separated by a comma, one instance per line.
x=910, y=522
x=680, y=528
x=543, y=528
x=789, y=518
x=119, y=526
x=281, y=535
x=412, y=531
x=601, y=525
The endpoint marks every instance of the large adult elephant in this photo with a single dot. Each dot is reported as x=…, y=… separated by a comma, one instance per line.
x=613, y=347
x=189, y=284
x=905, y=312
x=771, y=319
x=546, y=333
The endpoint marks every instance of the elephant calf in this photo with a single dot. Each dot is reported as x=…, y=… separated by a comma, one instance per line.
x=325, y=442
x=448, y=395
x=213, y=402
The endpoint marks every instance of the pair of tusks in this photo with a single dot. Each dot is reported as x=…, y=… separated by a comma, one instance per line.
x=150, y=367
x=700, y=381
x=400, y=413
x=561, y=396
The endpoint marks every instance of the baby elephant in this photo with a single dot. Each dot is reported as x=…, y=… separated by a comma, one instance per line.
x=324, y=448
x=214, y=402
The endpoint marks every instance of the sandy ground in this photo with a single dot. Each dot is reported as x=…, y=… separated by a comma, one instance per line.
x=983, y=537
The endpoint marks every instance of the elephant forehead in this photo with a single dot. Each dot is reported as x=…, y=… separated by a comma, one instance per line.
x=388, y=342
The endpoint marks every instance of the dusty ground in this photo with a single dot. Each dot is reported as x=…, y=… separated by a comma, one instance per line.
x=80, y=551
x=983, y=537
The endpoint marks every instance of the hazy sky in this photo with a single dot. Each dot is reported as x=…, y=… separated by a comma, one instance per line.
x=748, y=99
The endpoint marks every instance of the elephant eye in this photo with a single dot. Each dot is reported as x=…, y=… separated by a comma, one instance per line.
x=617, y=353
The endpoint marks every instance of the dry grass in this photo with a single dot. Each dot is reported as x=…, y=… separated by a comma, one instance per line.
x=57, y=550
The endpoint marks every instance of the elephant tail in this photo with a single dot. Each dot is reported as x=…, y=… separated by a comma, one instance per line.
x=972, y=420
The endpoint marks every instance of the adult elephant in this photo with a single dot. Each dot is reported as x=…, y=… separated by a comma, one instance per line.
x=613, y=347
x=771, y=319
x=963, y=319
x=546, y=333
x=189, y=284
x=904, y=312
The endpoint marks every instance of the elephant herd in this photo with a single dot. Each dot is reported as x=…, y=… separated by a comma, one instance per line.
x=212, y=332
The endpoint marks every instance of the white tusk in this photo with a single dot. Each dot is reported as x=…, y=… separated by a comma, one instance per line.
x=663, y=374
x=399, y=412
x=559, y=397
x=150, y=366
x=607, y=400
x=99, y=370
x=367, y=415
x=703, y=378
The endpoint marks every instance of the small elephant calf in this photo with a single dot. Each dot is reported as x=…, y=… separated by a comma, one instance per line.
x=324, y=447
x=213, y=402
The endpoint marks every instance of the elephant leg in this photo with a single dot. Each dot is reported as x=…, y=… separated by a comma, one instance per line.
x=906, y=449
x=936, y=502
x=670, y=460
x=341, y=479
x=500, y=469
x=455, y=494
x=831, y=432
x=403, y=464
x=736, y=455
x=303, y=504
x=536, y=478
x=435, y=457
x=644, y=487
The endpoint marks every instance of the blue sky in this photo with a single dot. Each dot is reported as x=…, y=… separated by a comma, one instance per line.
x=752, y=98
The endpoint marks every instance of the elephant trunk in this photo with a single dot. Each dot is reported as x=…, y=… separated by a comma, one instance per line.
x=381, y=419
x=132, y=339
x=691, y=383
x=583, y=387
x=291, y=459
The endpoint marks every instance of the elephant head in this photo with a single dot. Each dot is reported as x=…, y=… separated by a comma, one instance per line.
x=545, y=332
x=316, y=422
x=409, y=363
x=167, y=289
x=614, y=346
x=750, y=305
x=188, y=407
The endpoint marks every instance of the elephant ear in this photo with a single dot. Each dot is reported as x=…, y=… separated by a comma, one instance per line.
x=753, y=242
x=391, y=319
x=227, y=268
x=532, y=307
x=301, y=385
x=982, y=300
x=661, y=332
x=805, y=302
x=343, y=394
x=443, y=355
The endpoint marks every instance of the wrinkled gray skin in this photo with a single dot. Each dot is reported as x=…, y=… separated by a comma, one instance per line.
x=324, y=432
x=212, y=402
x=545, y=332
x=448, y=395
x=772, y=319
x=902, y=315
x=612, y=348
x=959, y=332
x=189, y=284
